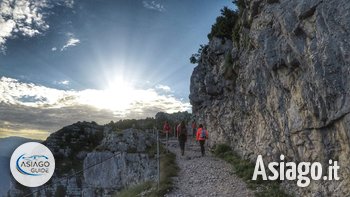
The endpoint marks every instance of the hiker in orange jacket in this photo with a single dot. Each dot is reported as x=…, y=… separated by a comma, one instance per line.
x=202, y=135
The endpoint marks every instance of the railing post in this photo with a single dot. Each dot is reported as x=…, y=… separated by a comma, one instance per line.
x=158, y=162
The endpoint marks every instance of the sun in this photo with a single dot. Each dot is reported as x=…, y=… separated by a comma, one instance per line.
x=117, y=96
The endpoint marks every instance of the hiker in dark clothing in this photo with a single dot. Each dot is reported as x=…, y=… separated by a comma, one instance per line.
x=201, y=136
x=182, y=136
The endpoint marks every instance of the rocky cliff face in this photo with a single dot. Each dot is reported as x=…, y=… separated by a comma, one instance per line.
x=93, y=160
x=283, y=88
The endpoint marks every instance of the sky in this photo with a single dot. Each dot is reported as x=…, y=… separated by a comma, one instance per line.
x=63, y=61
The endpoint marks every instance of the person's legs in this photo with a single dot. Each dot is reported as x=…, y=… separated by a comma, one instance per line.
x=182, y=146
x=201, y=142
x=166, y=140
x=194, y=135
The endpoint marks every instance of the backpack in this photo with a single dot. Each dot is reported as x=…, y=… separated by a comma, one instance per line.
x=204, y=133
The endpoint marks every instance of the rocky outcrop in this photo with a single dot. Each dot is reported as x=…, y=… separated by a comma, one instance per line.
x=284, y=88
x=173, y=118
x=93, y=160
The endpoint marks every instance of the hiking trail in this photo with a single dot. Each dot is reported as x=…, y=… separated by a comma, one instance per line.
x=204, y=176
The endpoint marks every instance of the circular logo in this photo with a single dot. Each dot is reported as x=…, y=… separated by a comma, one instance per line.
x=32, y=164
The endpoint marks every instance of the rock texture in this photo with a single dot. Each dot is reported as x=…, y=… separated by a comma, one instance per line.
x=173, y=118
x=93, y=160
x=286, y=90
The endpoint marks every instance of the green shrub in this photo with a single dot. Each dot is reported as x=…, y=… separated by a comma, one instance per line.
x=168, y=169
x=236, y=33
x=227, y=25
x=224, y=24
x=221, y=149
x=195, y=58
x=135, y=190
x=240, y=5
x=245, y=170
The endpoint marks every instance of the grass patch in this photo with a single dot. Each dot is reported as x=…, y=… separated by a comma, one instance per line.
x=168, y=169
x=135, y=190
x=245, y=170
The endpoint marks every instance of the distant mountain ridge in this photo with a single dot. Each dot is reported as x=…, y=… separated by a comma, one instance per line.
x=9, y=144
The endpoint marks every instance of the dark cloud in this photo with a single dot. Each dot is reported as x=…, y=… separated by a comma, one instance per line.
x=20, y=120
x=18, y=117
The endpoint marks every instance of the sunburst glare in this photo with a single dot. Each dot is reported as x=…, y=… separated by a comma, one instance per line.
x=116, y=96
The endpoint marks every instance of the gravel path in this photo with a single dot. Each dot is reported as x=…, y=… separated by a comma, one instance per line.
x=204, y=176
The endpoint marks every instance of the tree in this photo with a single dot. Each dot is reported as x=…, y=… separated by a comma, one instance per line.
x=240, y=4
x=224, y=24
x=195, y=58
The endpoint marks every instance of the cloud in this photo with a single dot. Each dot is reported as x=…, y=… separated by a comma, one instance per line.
x=38, y=123
x=69, y=3
x=27, y=94
x=71, y=42
x=30, y=107
x=25, y=17
x=21, y=17
x=6, y=28
x=64, y=82
x=153, y=5
x=163, y=88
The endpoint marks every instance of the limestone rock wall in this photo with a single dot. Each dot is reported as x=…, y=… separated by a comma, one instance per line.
x=286, y=90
